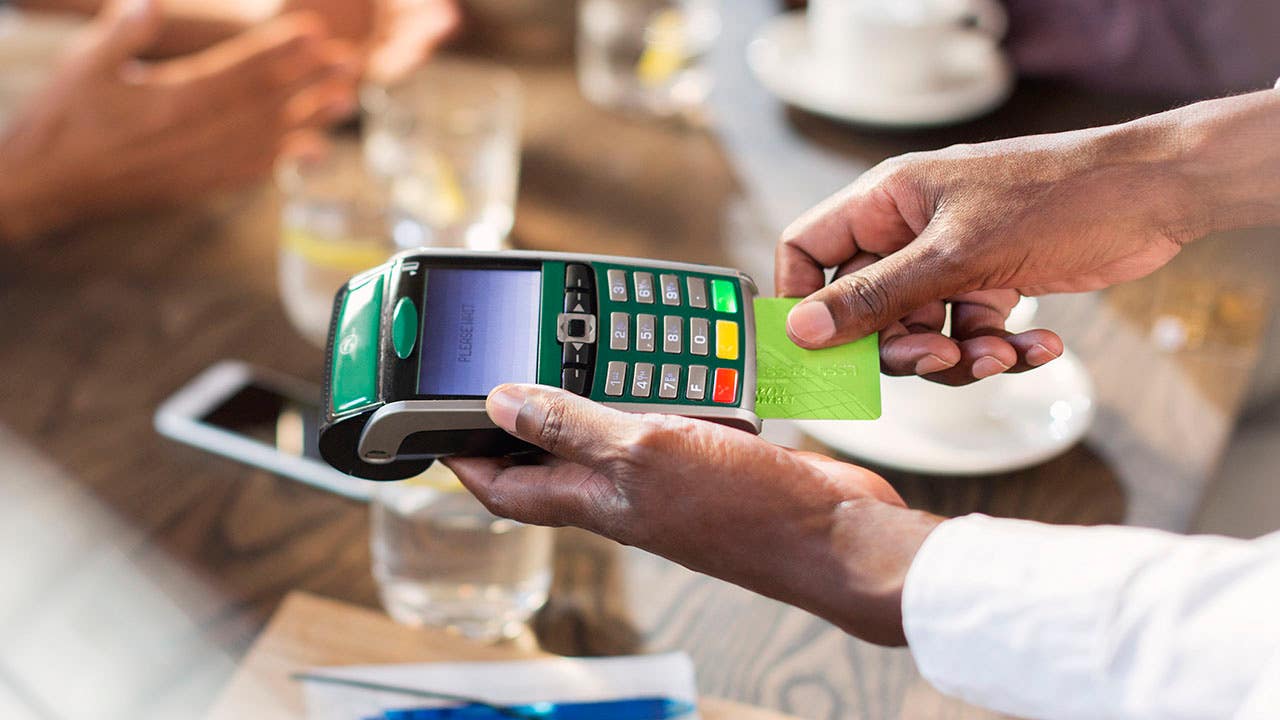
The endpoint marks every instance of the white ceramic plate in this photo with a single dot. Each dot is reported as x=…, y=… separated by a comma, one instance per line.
x=1001, y=424
x=781, y=60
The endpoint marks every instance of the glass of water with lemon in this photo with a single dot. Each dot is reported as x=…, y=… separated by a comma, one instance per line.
x=442, y=560
x=647, y=55
x=446, y=142
x=436, y=164
x=333, y=224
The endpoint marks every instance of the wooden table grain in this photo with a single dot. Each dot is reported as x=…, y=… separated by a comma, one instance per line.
x=263, y=688
x=102, y=324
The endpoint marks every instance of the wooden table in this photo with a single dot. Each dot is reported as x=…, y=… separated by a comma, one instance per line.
x=102, y=324
x=309, y=632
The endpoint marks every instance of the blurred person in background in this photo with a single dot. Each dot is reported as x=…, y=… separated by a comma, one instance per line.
x=224, y=89
x=1028, y=619
x=1174, y=48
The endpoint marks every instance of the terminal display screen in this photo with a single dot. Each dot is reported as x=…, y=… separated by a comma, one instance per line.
x=479, y=330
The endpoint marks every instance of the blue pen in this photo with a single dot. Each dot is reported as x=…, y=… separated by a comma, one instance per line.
x=647, y=708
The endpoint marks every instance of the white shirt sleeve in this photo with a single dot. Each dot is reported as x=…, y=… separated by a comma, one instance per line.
x=1052, y=622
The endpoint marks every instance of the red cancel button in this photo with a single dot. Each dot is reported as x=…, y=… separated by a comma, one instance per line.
x=726, y=387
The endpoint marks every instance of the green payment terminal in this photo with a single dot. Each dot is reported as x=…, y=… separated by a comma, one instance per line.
x=416, y=344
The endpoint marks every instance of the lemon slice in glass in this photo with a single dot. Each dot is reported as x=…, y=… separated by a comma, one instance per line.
x=665, y=50
x=349, y=255
x=433, y=193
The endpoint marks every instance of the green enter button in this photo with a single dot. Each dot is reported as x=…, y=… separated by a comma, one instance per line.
x=723, y=297
x=355, y=348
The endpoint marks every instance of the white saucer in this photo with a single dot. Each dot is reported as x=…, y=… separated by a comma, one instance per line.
x=779, y=56
x=997, y=425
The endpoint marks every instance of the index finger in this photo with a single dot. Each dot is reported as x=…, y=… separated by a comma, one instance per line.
x=409, y=33
x=863, y=217
x=268, y=63
x=817, y=240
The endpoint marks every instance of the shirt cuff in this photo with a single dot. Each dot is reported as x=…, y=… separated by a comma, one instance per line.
x=1039, y=620
x=1007, y=614
x=964, y=614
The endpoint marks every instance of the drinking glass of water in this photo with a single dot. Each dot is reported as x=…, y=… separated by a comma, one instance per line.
x=436, y=165
x=647, y=55
x=447, y=143
x=442, y=560
x=333, y=224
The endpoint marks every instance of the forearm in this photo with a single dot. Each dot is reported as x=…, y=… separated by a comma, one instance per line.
x=1232, y=158
x=1061, y=622
x=1209, y=167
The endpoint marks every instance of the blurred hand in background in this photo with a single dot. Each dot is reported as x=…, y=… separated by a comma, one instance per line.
x=111, y=133
x=392, y=36
x=395, y=36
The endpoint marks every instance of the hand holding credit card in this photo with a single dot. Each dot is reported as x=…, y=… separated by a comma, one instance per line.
x=838, y=383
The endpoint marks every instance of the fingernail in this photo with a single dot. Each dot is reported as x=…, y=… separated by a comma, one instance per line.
x=1039, y=355
x=987, y=366
x=931, y=364
x=811, y=322
x=504, y=406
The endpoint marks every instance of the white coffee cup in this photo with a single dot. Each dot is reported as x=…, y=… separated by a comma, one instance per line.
x=903, y=46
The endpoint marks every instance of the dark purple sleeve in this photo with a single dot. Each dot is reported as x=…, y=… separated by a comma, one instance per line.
x=1179, y=48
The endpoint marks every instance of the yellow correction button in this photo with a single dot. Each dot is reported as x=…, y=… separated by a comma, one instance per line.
x=726, y=340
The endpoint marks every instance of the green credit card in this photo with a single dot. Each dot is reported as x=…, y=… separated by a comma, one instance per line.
x=839, y=383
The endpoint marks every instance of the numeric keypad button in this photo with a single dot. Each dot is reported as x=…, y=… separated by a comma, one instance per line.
x=696, y=388
x=672, y=335
x=670, y=289
x=617, y=285
x=646, y=331
x=644, y=287
x=669, y=382
x=642, y=380
x=699, y=336
x=619, y=331
x=615, y=378
x=697, y=292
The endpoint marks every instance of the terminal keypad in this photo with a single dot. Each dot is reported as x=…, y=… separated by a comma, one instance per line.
x=673, y=336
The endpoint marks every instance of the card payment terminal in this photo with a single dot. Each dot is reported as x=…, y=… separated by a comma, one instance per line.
x=416, y=344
